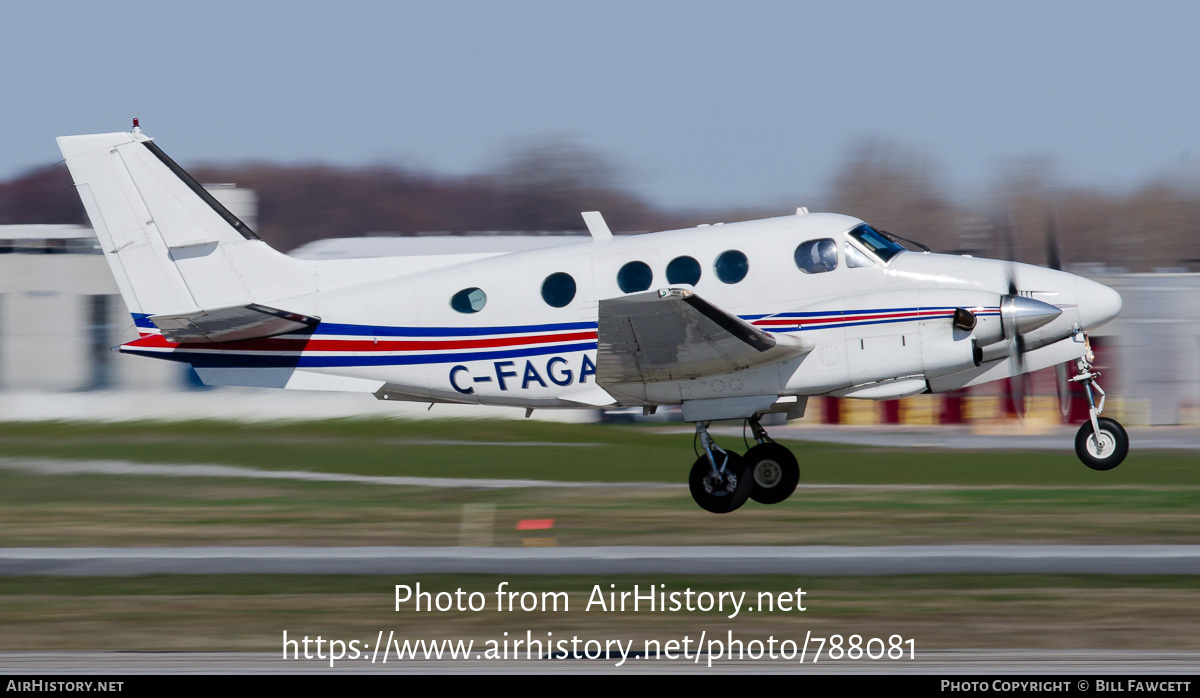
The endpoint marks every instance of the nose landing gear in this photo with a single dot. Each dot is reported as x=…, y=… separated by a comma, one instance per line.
x=1101, y=443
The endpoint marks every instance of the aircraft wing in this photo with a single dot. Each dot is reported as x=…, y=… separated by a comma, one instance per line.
x=673, y=334
x=251, y=321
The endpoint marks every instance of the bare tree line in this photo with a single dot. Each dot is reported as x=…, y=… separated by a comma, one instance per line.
x=1149, y=227
x=543, y=187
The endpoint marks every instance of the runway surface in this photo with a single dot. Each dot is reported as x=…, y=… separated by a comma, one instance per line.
x=937, y=662
x=807, y=560
x=1001, y=438
x=60, y=466
x=57, y=466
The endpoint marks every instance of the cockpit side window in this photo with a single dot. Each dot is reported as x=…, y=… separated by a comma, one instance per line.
x=817, y=256
x=856, y=257
x=876, y=242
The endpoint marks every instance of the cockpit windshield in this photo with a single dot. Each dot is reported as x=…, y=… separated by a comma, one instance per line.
x=877, y=243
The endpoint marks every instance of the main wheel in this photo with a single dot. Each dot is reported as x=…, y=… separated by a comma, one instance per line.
x=1104, y=453
x=774, y=471
x=718, y=494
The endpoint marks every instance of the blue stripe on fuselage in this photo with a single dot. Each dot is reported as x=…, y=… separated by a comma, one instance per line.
x=336, y=328
x=232, y=360
x=340, y=329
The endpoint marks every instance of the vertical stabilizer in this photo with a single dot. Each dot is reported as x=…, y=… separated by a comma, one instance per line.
x=172, y=247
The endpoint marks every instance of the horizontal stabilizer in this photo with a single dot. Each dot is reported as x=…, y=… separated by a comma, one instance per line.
x=673, y=334
x=251, y=321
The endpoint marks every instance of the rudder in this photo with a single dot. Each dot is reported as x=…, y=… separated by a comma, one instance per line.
x=172, y=247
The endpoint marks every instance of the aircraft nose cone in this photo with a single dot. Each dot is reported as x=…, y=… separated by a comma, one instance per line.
x=1097, y=303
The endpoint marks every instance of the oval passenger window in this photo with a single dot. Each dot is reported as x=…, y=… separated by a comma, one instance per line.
x=731, y=266
x=558, y=289
x=817, y=256
x=634, y=277
x=683, y=270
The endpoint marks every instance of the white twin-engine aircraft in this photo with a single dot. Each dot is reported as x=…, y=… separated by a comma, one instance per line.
x=729, y=321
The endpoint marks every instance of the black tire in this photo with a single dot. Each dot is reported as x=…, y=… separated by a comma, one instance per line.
x=774, y=471
x=1112, y=449
x=720, y=497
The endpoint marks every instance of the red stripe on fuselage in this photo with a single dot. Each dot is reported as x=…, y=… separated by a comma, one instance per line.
x=157, y=341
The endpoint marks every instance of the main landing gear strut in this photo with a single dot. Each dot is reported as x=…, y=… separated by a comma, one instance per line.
x=721, y=481
x=1101, y=443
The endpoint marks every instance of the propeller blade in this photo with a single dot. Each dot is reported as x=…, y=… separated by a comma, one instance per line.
x=1016, y=382
x=1054, y=261
x=1011, y=237
x=1010, y=252
x=1053, y=248
x=1064, y=390
x=1016, y=346
x=1016, y=391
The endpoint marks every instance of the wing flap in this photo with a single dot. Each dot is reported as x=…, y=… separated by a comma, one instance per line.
x=673, y=334
x=231, y=324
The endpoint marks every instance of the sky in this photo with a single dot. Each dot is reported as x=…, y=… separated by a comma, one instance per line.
x=698, y=103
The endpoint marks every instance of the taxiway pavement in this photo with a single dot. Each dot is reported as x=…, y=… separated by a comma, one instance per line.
x=796, y=560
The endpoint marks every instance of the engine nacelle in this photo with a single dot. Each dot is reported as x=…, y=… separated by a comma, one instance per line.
x=943, y=354
x=959, y=323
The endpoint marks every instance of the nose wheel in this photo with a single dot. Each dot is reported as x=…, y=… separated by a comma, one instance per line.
x=1102, y=447
x=1101, y=443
